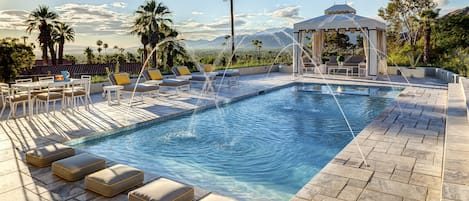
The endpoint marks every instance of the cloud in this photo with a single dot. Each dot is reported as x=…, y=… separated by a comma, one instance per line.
x=350, y=3
x=119, y=4
x=225, y=23
x=441, y=2
x=13, y=19
x=290, y=12
x=91, y=19
x=197, y=13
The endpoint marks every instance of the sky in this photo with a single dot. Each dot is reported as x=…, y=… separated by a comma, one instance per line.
x=109, y=20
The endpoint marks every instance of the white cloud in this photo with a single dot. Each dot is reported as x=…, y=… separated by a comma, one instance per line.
x=93, y=19
x=13, y=19
x=350, y=3
x=291, y=12
x=441, y=2
x=119, y=4
x=197, y=13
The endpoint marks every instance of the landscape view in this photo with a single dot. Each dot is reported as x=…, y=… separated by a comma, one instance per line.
x=224, y=100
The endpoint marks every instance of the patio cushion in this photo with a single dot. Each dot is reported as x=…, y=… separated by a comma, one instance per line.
x=122, y=79
x=228, y=73
x=51, y=95
x=173, y=83
x=216, y=197
x=202, y=78
x=79, y=92
x=76, y=167
x=183, y=70
x=163, y=189
x=208, y=68
x=155, y=75
x=16, y=98
x=44, y=156
x=114, y=180
x=140, y=88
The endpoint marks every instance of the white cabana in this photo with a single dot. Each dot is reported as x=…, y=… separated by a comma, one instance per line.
x=342, y=18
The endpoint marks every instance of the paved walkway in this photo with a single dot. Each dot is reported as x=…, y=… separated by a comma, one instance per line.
x=403, y=146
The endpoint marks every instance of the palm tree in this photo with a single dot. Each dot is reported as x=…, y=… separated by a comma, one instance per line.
x=258, y=45
x=428, y=17
x=105, y=46
x=141, y=30
x=24, y=39
x=233, y=56
x=41, y=20
x=172, y=46
x=62, y=32
x=89, y=55
x=151, y=16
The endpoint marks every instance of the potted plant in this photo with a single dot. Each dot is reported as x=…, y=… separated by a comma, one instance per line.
x=340, y=60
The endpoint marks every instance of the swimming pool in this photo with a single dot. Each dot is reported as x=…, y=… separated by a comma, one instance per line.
x=261, y=148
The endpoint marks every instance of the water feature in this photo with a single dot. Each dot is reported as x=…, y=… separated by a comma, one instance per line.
x=275, y=142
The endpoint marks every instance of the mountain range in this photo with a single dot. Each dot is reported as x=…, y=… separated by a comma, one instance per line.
x=271, y=38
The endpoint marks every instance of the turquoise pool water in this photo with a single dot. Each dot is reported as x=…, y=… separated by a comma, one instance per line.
x=262, y=148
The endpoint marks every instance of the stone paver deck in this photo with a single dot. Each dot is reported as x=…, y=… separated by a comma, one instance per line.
x=403, y=146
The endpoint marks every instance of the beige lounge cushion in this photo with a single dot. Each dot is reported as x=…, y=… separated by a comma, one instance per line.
x=114, y=180
x=140, y=88
x=44, y=156
x=216, y=197
x=51, y=95
x=203, y=78
x=76, y=167
x=163, y=189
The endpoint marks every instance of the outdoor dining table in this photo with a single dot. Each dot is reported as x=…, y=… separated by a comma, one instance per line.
x=29, y=87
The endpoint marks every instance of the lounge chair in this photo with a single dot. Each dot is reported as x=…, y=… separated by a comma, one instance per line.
x=230, y=75
x=182, y=72
x=155, y=75
x=123, y=79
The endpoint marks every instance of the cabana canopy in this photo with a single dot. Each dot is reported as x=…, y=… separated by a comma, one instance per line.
x=342, y=18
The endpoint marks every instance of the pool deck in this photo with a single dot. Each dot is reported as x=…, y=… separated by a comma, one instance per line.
x=403, y=146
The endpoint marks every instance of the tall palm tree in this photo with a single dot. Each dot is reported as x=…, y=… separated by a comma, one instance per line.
x=152, y=15
x=258, y=45
x=428, y=17
x=24, y=39
x=141, y=30
x=41, y=20
x=171, y=46
x=62, y=32
x=89, y=55
x=105, y=46
x=233, y=56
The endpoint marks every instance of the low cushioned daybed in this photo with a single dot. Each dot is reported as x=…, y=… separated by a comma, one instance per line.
x=155, y=74
x=44, y=156
x=163, y=189
x=76, y=167
x=114, y=180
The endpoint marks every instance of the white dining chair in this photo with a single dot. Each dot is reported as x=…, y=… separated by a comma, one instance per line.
x=54, y=93
x=9, y=96
x=46, y=79
x=78, y=90
x=88, y=95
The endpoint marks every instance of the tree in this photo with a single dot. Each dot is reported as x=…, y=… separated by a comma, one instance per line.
x=233, y=56
x=141, y=30
x=62, y=32
x=403, y=17
x=151, y=17
x=24, y=39
x=428, y=17
x=105, y=46
x=14, y=56
x=171, y=46
x=258, y=45
x=42, y=19
x=89, y=55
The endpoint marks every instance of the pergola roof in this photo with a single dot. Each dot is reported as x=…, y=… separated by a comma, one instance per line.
x=339, y=17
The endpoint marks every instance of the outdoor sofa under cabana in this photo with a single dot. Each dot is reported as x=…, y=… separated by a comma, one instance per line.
x=342, y=18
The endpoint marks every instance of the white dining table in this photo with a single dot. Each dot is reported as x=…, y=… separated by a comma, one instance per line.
x=30, y=86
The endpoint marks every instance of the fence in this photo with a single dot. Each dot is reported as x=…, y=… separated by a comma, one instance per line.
x=80, y=69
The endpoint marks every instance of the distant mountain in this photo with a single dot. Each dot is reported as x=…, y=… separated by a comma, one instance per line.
x=461, y=11
x=271, y=38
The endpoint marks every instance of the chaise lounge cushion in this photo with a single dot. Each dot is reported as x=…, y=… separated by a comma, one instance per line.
x=122, y=79
x=202, y=78
x=114, y=180
x=140, y=87
x=216, y=197
x=76, y=167
x=174, y=83
x=228, y=73
x=44, y=156
x=163, y=189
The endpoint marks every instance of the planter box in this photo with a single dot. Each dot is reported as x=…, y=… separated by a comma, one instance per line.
x=418, y=72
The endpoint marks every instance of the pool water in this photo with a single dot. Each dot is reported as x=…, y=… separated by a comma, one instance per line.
x=262, y=148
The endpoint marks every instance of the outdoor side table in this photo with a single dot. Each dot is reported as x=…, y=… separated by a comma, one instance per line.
x=113, y=88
